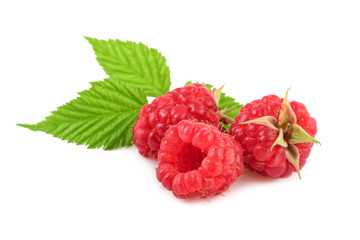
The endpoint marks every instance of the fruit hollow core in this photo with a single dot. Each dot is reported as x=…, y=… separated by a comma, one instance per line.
x=189, y=158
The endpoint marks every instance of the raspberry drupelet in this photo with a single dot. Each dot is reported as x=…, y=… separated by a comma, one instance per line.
x=197, y=160
x=193, y=101
x=276, y=135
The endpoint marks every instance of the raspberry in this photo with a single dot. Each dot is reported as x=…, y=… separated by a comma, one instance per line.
x=197, y=160
x=193, y=101
x=277, y=136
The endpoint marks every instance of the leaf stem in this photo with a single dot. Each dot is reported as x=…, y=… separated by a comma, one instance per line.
x=229, y=109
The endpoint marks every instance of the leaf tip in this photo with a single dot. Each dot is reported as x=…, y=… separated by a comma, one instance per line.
x=88, y=38
x=188, y=83
x=28, y=126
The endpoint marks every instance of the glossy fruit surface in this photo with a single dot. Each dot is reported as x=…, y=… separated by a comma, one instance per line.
x=196, y=160
x=276, y=135
x=193, y=101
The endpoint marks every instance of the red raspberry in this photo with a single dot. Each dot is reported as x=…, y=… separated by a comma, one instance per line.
x=193, y=101
x=277, y=136
x=197, y=160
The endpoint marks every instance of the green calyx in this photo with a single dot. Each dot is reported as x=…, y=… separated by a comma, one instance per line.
x=299, y=135
x=287, y=114
x=280, y=140
x=216, y=94
x=289, y=133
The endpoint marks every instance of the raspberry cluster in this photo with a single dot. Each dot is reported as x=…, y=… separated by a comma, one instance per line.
x=198, y=159
x=187, y=129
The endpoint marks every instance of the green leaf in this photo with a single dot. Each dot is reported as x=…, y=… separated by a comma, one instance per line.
x=135, y=63
x=102, y=116
x=227, y=104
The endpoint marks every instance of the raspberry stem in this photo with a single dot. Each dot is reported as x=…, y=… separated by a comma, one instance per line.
x=287, y=129
x=225, y=119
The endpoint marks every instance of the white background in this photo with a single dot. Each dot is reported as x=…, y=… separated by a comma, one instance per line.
x=50, y=189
